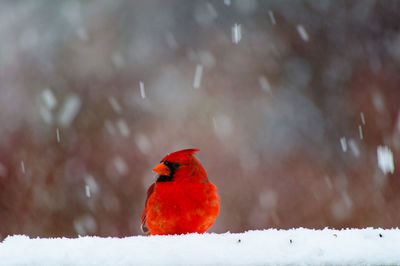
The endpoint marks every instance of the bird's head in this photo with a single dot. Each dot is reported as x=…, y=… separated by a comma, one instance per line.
x=181, y=166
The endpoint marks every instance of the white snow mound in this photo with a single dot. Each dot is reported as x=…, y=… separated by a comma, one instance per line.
x=267, y=247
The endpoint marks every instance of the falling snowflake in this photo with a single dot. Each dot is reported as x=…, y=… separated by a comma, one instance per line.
x=385, y=159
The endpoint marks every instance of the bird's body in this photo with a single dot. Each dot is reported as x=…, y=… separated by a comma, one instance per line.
x=182, y=200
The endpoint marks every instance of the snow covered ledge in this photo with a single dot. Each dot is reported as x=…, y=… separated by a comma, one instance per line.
x=268, y=247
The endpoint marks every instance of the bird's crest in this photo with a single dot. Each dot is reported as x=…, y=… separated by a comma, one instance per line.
x=180, y=154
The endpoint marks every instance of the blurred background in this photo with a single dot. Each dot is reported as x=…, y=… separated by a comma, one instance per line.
x=294, y=105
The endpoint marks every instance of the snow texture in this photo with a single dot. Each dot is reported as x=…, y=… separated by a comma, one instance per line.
x=268, y=247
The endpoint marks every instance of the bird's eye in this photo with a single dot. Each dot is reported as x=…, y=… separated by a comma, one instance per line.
x=170, y=165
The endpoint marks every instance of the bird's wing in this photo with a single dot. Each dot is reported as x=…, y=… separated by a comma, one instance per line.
x=144, y=214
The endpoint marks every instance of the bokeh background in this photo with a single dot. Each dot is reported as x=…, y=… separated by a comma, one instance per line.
x=287, y=100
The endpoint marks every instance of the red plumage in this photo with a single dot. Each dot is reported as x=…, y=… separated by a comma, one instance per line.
x=182, y=200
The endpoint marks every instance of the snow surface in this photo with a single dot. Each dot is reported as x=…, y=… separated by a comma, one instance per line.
x=268, y=247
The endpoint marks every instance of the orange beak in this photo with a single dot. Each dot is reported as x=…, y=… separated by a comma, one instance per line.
x=161, y=169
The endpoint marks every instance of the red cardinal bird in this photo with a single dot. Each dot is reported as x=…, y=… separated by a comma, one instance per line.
x=182, y=200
